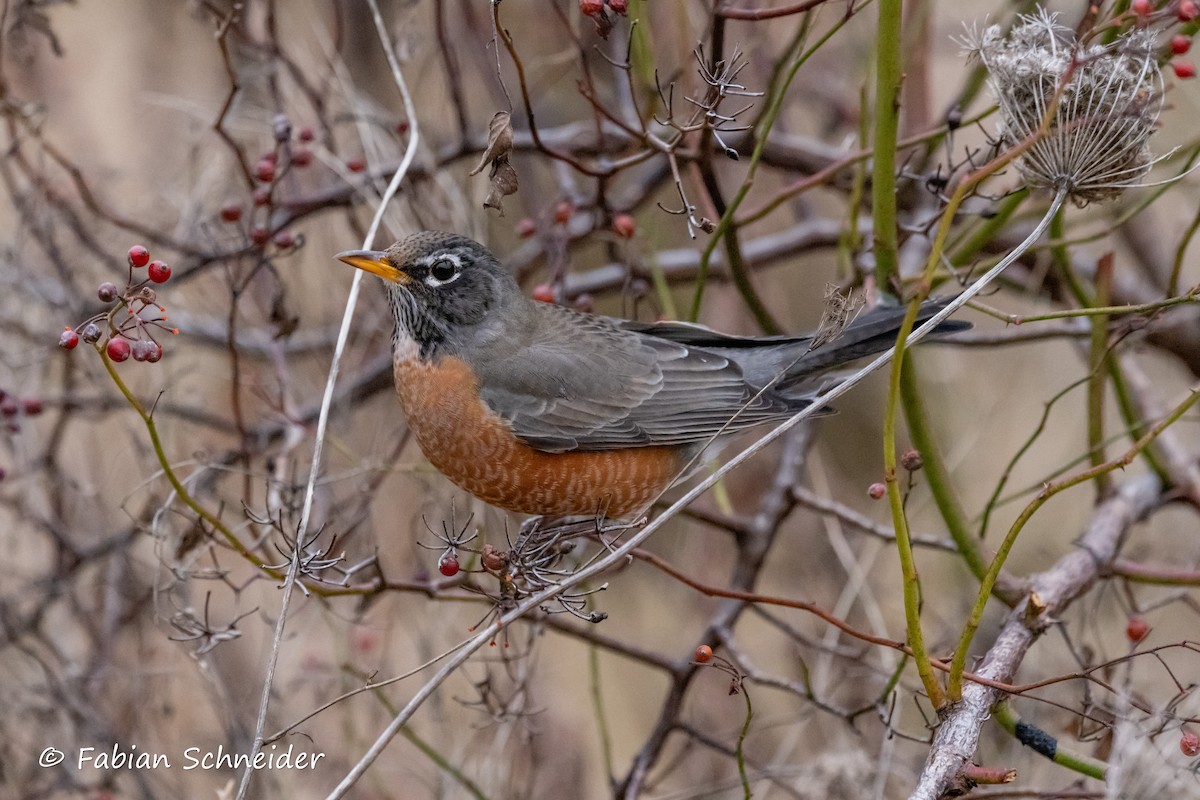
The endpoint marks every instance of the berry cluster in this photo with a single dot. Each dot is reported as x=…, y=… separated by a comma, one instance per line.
x=1185, y=12
x=13, y=408
x=602, y=13
x=128, y=335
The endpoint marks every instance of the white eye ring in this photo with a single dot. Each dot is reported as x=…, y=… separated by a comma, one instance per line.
x=450, y=268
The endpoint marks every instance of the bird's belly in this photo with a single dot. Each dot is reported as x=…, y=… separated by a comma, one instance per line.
x=477, y=450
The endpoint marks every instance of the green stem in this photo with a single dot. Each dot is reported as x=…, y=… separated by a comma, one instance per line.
x=1009, y=720
x=163, y=462
x=958, y=664
x=936, y=474
x=887, y=129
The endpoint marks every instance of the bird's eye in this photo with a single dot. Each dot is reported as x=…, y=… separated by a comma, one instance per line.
x=443, y=270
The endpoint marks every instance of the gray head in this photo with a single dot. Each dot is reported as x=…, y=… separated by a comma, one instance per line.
x=444, y=289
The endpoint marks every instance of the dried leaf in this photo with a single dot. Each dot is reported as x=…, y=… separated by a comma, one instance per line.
x=500, y=140
x=503, y=183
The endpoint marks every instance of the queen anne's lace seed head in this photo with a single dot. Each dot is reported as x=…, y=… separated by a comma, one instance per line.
x=1110, y=100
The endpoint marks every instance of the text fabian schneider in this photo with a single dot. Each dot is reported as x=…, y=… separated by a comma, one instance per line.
x=198, y=758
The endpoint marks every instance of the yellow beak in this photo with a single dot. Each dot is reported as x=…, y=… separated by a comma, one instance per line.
x=374, y=261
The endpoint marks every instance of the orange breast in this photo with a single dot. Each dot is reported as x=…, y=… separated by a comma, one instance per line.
x=477, y=450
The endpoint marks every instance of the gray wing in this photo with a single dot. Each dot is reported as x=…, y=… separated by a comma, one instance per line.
x=582, y=382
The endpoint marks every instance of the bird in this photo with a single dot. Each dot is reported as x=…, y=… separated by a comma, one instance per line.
x=543, y=410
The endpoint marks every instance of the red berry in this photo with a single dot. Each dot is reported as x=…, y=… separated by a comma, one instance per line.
x=261, y=196
x=306, y=134
x=525, y=227
x=118, y=349
x=1137, y=628
x=624, y=226
x=284, y=239
x=402, y=127
x=563, y=212
x=591, y=8
x=448, y=566
x=1188, y=11
x=265, y=171
x=139, y=256
x=356, y=165
x=158, y=271
x=1142, y=7
x=876, y=491
x=231, y=212
x=33, y=406
x=154, y=353
x=301, y=157
x=1180, y=44
x=703, y=654
x=619, y=6
x=107, y=292
x=68, y=339
x=1189, y=744
x=141, y=350
x=271, y=157
x=544, y=293
x=9, y=406
x=1183, y=69
x=260, y=235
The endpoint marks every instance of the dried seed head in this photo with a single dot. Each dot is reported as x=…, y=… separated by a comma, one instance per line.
x=1103, y=102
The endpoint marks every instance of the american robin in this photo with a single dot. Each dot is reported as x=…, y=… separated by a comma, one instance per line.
x=540, y=409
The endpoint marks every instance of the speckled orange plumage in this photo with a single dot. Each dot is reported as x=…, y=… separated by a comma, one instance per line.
x=477, y=450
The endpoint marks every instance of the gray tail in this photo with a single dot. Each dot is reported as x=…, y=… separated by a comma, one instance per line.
x=871, y=333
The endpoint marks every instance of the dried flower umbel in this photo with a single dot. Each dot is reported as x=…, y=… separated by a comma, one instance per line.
x=1102, y=101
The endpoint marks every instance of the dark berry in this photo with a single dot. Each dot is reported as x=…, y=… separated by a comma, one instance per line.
x=306, y=134
x=147, y=295
x=624, y=226
x=231, y=212
x=402, y=127
x=301, y=157
x=107, y=292
x=876, y=491
x=32, y=406
x=265, y=171
x=91, y=332
x=356, y=165
x=284, y=239
x=270, y=157
x=281, y=127
x=911, y=460
x=118, y=349
x=260, y=235
x=68, y=339
x=448, y=566
x=155, y=353
x=139, y=256
x=261, y=196
x=9, y=406
x=141, y=350
x=158, y=271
